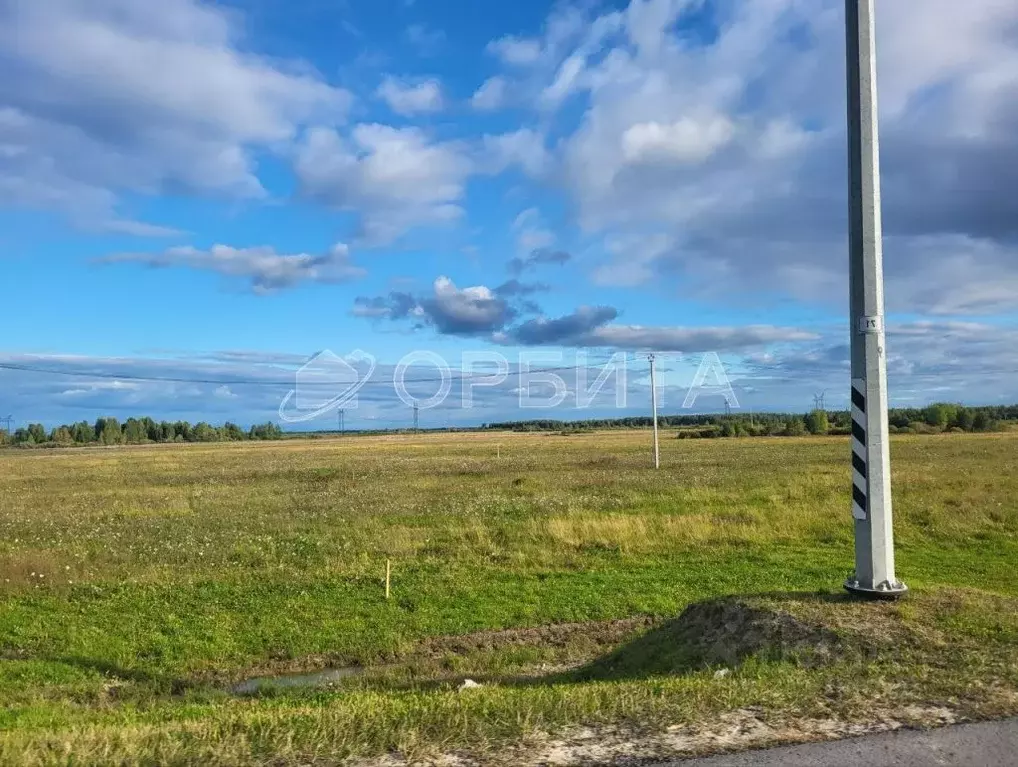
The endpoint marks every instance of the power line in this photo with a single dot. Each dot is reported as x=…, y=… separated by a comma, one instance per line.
x=248, y=382
x=134, y=377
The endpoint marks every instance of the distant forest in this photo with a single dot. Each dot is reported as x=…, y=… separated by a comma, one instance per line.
x=934, y=419
x=136, y=431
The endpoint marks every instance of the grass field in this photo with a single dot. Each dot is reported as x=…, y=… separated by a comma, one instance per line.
x=138, y=584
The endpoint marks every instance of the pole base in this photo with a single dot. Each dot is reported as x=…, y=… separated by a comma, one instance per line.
x=885, y=590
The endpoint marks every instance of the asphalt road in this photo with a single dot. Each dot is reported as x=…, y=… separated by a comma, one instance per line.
x=987, y=744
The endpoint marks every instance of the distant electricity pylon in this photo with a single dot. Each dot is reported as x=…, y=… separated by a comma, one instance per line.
x=871, y=459
x=8, y=422
x=342, y=421
x=417, y=416
x=819, y=401
x=653, y=405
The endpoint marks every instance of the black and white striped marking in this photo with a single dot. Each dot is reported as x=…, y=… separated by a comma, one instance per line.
x=859, y=469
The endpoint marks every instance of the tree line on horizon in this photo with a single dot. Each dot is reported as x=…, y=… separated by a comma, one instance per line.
x=137, y=431
x=935, y=418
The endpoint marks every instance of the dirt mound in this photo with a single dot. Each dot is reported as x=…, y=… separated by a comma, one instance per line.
x=727, y=631
x=721, y=632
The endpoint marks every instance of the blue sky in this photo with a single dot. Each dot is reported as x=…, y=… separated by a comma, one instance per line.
x=219, y=191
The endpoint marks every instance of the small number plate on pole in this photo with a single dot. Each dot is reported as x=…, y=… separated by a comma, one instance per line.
x=872, y=324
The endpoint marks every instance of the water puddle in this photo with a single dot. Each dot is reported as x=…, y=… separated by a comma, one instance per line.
x=290, y=681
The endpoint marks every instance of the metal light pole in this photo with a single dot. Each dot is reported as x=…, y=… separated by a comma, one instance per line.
x=871, y=463
x=653, y=403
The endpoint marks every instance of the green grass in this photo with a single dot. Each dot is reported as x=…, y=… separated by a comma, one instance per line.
x=136, y=584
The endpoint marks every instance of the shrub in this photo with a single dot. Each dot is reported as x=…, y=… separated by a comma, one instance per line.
x=817, y=422
x=940, y=414
x=795, y=427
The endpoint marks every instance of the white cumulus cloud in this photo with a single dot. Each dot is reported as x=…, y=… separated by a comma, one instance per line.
x=394, y=178
x=412, y=97
x=105, y=97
